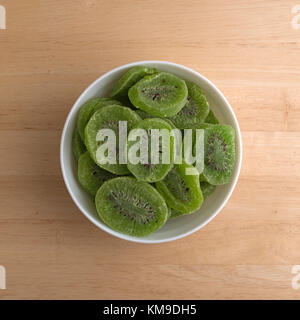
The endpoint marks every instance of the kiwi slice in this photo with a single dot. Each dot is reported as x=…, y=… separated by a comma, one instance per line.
x=211, y=118
x=172, y=125
x=132, y=76
x=148, y=171
x=161, y=94
x=175, y=214
x=169, y=212
x=143, y=114
x=91, y=176
x=177, y=139
x=181, y=191
x=195, y=110
x=130, y=206
x=219, y=153
x=87, y=110
x=207, y=189
x=78, y=146
x=129, y=105
x=108, y=117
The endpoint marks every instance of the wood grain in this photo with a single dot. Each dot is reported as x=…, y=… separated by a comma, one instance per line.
x=51, y=51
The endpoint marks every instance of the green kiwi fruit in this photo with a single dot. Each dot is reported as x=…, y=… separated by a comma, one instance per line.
x=202, y=179
x=148, y=171
x=129, y=105
x=131, y=207
x=161, y=94
x=181, y=191
x=88, y=109
x=91, y=176
x=132, y=76
x=219, y=153
x=169, y=212
x=170, y=123
x=175, y=214
x=195, y=110
x=108, y=117
x=147, y=99
x=207, y=189
x=211, y=118
x=78, y=146
x=143, y=114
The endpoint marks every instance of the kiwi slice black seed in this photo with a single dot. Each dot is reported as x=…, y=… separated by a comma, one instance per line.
x=130, y=206
x=90, y=175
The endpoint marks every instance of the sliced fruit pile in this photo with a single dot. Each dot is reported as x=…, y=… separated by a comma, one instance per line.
x=138, y=199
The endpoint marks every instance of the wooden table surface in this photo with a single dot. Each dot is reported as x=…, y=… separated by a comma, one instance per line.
x=51, y=51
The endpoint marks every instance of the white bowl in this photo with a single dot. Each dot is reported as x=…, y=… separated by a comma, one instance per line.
x=176, y=228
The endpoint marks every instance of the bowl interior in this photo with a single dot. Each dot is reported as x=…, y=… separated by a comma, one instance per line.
x=175, y=228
